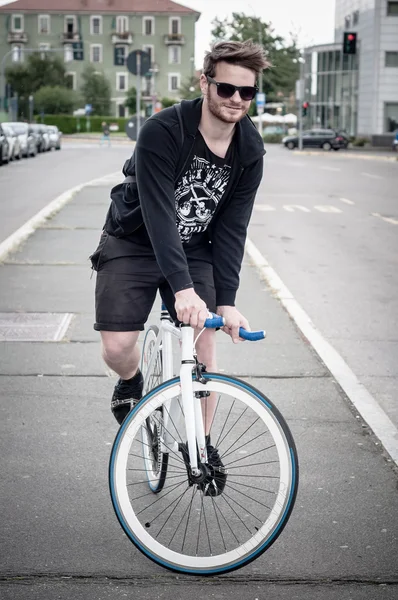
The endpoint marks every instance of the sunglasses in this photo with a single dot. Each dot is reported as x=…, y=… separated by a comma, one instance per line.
x=227, y=90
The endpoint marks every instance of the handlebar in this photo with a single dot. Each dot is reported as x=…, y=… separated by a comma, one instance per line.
x=216, y=321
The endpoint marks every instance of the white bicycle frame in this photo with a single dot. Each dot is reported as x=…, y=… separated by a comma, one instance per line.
x=192, y=409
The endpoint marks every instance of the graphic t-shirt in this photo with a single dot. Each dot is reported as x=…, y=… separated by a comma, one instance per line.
x=200, y=190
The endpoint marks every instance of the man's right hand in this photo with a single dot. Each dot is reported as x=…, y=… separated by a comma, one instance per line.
x=190, y=308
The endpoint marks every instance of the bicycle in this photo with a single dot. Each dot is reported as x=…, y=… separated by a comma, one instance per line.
x=176, y=507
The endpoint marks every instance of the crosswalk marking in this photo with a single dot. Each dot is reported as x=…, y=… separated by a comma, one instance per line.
x=291, y=207
x=327, y=208
x=387, y=219
x=264, y=207
x=346, y=201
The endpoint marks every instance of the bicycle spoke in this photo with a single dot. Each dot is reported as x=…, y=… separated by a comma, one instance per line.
x=253, y=487
x=240, y=506
x=145, y=481
x=172, y=512
x=159, y=500
x=151, y=493
x=252, y=454
x=225, y=422
x=245, y=444
x=230, y=487
x=189, y=514
x=181, y=520
x=207, y=530
x=218, y=523
x=250, y=426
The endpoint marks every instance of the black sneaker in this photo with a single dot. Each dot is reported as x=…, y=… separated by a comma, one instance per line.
x=216, y=485
x=126, y=395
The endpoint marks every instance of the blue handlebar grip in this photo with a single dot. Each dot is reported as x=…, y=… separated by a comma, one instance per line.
x=251, y=336
x=214, y=321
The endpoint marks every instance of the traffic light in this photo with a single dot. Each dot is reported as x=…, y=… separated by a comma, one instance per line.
x=306, y=106
x=350, y=42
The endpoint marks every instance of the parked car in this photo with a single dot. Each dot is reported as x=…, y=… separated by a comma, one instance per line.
x=36, y=132
x=317, y=138
x=15, y=150
x=395, y=142
x=26, y=139
x=46, y=137
x=55, y=137
x=4, y=147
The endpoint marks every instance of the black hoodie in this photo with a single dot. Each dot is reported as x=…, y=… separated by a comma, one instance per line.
x=159, y=159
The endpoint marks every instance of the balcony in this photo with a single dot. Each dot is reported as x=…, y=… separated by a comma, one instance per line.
x=70, y=36
x=17, y=36
x=124, y=37
x=174, y=39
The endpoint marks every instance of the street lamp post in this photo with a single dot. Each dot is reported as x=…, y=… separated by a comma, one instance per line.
x=300, y=90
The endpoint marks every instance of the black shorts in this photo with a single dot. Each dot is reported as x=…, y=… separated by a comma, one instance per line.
x=128, y=278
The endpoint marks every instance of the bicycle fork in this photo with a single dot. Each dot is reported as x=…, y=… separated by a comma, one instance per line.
x=191, y=406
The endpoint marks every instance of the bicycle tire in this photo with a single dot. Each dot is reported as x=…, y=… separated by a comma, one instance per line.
x=141, y=520
x=155, y=459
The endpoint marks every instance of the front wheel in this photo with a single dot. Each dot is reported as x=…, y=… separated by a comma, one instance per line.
x=184, y=529
x=290, y=145
x=326, y=146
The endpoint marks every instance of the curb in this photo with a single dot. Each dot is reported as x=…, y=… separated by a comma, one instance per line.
x=366, y=405
x=348, y=155
x=19, y=236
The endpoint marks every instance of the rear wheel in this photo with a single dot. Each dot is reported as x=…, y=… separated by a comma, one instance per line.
x=155, y=459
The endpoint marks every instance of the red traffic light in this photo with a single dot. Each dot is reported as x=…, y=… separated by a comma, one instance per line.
x=351, y=37
x=306, y=104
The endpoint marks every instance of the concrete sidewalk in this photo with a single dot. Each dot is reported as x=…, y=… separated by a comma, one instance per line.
x=60, y=536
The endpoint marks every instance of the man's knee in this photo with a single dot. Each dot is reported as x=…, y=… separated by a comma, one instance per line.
x=116, y=344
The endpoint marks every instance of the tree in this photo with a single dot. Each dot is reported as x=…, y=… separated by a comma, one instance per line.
x=190, y=89
x=167, y=102
x=131, y=101
x=38, y=71
x=96, y=90
x=55, y=100
x=279, y=80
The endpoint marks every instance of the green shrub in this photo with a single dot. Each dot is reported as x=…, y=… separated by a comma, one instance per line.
x=273, y=138
x=69, y=124
x=55, y=99
x=361, y=141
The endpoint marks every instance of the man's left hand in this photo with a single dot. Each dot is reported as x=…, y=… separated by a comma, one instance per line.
x=233, y=320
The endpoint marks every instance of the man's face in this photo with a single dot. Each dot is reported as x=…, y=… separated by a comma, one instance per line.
x=228, y=110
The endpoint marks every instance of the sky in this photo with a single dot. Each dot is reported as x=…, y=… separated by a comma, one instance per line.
x=311, y=20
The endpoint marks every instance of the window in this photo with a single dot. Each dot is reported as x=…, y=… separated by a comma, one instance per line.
x=174, y=81
x=70, y=80
x=392, y=9
x=96, y=53
x=68, y=52
x=70, y=26
x=44, y=24
x=148, y=26
x=391, y=59
x=347, y=22
x=121, y=110
x=121, y=82
x=17, y=23
x=122, y=24
x=175, y=25
x=174, y=55
x=44, y=48
x=150, y=50
x=17, y=55
x=120, y=56
x=355, y=17
x=96, y=25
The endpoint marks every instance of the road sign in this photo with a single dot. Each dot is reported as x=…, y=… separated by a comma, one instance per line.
x=260, y=100
x=144, y=62
x=88, y=109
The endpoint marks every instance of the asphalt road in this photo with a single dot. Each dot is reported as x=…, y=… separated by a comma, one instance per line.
x=28, y=185
x=328, y=225
x=60, y=538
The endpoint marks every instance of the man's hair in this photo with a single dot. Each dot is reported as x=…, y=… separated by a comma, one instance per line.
x=244, y=54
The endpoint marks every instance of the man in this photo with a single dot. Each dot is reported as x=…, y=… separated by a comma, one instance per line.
x=179, y=222
x=106, y=134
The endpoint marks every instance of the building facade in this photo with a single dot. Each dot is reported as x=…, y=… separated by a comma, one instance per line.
x=361, y=90
x=103, y=33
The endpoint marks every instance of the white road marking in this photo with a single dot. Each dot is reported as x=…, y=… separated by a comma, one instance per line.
x=387, y=219
x=22, y=234
x=330, y=168
x=264, y=207
x=328, y=208
x=346, y=201
x=292, y=207
x=364, y=402
x=371, y=175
